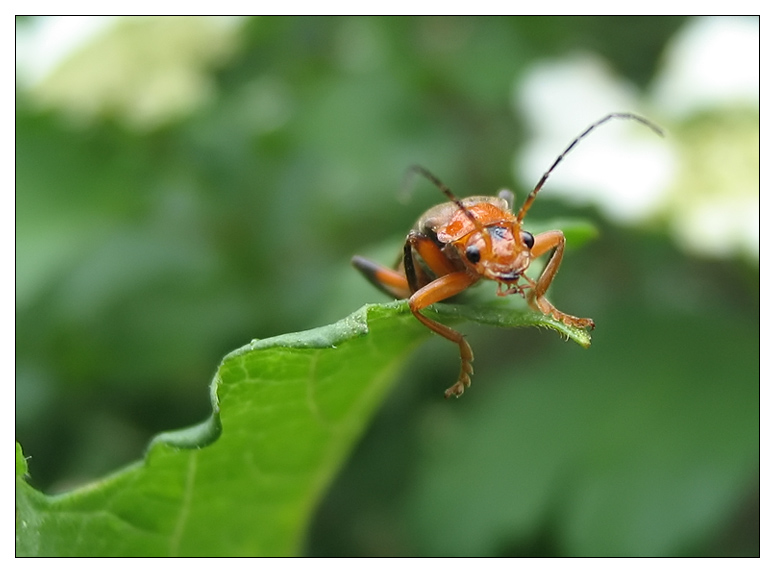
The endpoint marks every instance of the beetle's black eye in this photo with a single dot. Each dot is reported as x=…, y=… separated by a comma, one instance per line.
x=527, y=238
x=473, y=254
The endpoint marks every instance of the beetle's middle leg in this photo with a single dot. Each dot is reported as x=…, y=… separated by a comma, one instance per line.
x=536, y=297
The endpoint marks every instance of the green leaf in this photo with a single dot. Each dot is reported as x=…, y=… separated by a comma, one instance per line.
x=286, y=412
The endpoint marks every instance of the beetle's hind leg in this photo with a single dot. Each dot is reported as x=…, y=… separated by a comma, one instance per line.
x=391, y=282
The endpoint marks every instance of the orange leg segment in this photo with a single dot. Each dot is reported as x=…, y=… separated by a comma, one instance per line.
x=419, y=247
x=536, y=298
x=432, y=255
x=387, y=280
x=440, y=289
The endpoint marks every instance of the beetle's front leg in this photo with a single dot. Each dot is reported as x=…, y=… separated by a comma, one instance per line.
x=440, y=289
x=536, y=298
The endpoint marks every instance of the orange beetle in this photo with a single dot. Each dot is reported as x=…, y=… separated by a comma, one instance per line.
x=455, y=244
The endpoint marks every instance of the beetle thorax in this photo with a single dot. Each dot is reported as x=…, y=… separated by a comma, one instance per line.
x=486, y=210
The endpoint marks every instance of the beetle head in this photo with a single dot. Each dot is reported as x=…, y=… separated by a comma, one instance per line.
x=500, y=252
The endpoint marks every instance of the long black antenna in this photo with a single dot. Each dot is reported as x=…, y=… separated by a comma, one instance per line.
x=530, y=198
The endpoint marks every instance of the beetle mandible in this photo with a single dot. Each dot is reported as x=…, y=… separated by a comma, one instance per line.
x=456, y=244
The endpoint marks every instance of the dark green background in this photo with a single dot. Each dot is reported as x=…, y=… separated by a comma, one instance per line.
x=153, y=253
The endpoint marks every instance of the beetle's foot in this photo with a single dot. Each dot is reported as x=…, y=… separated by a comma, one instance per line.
x=543, y=305
x=458, y=387
x=466, y=370
x=571, y=320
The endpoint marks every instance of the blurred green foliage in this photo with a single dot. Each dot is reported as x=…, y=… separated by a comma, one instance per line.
x=144, y=254
x=286, y=411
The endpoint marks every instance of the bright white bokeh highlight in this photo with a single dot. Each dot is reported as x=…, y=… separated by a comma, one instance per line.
x=710, y=69
x=622, y=167
x=712, y=62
